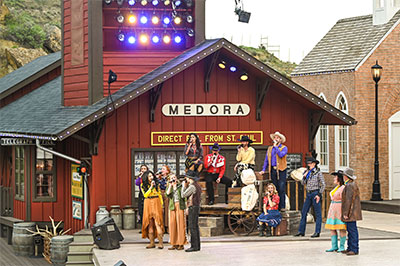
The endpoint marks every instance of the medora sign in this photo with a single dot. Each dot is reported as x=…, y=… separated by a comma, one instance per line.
x=209, y=109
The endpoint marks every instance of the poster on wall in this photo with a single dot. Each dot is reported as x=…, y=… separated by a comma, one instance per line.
x=76, y=182
x=77, y=210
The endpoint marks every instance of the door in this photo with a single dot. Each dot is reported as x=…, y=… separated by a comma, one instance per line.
x=395, y=154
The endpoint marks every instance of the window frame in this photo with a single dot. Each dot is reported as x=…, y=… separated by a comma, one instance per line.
x=17, y=177
x=337, y=135
x=324, y=167
x=53, y=172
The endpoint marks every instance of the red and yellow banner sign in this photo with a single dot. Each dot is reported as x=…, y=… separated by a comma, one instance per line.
x=175, y=138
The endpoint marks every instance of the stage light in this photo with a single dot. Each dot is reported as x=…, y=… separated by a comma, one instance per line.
x=143, y=2
x=243, y=15
x=120, y=2
x=144, y=38
x=244, y=76
x=155, y=2
x=108, y=2
x=190, y=32
x=167, y=2
x=120, y=18
x=189, y=3
x=131, y=2
x=189, y=19
x=222, y=64
x=177, y=20
x=121, y=37
x=166, y=20
x=155, y=20
x=233, y=69
x=177, y=38
x=143, y=19
x=178, y=2
x=132, y=19
x=131, y=39
x=155, y=38
x=166, y=39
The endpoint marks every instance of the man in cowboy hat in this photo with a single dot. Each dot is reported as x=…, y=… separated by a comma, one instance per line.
x=192, y=190
x=315, y=185
x=275, y=160
x=214, y=164
x=245, y=157
x=351, y=210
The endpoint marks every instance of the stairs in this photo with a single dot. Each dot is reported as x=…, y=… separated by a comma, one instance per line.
x=211, y=226
x=80, y=250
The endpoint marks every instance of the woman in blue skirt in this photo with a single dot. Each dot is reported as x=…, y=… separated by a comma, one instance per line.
x=271, y=215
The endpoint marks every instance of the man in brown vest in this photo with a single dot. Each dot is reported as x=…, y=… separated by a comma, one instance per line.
x=275, y=160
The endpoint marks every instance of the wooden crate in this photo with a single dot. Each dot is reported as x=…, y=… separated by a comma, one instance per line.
x=281, y=229
x=234, y=197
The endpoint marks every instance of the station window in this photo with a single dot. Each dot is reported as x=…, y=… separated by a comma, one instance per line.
x=19, y=172
x=45, y=181
x=342, y=136
x=322, y=144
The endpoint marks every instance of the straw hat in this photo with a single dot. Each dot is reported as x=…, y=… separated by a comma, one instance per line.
x=277, y=133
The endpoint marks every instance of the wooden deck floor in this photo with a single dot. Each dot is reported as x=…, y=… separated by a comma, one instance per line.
x=8, y=258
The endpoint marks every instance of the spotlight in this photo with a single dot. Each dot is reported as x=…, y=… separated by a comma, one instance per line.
x=107, y=2
x=189, y=19
x=244, y=76
x=167, y=2
x=143, y=19
x=177, y=20
x=144, y=38
x=243, y=15
x=131, y=2
x=155, y=2
x=177, y=38
x=233, y=69
x=166, y=20
x=190, y=32
x=178, y=2
x=120, y=18
x=166, y=39
x=155, y=20
x=121, y=37
x=155, y=38
x=222, y=64
x=120, y=2
x=189, y=3
x=143, y=2
x=132, y=19
x=131, y=39
x=112, y=77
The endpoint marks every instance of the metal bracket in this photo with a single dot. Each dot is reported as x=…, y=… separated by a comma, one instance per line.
x=315, y=119
x=94, y=135
x=154, y=95
x=262, y=90
x=209, y=67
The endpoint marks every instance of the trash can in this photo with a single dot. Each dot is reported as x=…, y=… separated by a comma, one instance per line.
x=106, y=234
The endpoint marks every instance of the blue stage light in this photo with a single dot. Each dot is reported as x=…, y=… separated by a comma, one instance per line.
x=177, y=39
x=233, y=68
x=178, y=2
x=143, y=19
x=131, y=2
x=155, y=2
x=155, y=38
x=131, y=39
x=166, y=20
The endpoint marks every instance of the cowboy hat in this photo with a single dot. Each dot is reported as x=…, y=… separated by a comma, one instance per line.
x=338, y=173
x=277, y=133
x=192, y=175
x=349, y=172
x=215, y=147
x=311, y=160
x=245, y=138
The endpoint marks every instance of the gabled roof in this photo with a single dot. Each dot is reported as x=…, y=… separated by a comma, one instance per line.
x=40, y=113
x=25, y=74
x=346, y=45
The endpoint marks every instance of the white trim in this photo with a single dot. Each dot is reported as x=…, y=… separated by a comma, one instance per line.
x=324, y=168
x=336, y=140
x=393, y=119
x=376, y=46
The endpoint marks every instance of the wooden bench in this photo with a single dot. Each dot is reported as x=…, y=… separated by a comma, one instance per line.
x=7, y=223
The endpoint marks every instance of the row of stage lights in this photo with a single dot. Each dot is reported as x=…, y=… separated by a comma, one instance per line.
x=166, y=20
x=145, y=39
x=175, y=3
x=243, y=75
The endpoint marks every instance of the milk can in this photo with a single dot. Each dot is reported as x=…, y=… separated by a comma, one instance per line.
x=128, y=217
x=116, y=214
x=101, y=213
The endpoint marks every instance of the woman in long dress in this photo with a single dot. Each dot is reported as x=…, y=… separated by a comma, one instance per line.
x=194, y=153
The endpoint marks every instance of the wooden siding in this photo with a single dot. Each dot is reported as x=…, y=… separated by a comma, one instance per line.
x=75, y=77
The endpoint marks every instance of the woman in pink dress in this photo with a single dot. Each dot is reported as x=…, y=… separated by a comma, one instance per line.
x=333, y=221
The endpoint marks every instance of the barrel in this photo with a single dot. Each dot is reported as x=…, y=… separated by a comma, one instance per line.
x=116, y=214
x=59, y=247
x=128, y=217
x=234, y=197
x=22, y=240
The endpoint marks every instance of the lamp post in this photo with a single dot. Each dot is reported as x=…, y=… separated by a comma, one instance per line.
x=376, y=187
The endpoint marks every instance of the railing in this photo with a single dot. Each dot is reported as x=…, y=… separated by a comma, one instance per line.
x=6, y=201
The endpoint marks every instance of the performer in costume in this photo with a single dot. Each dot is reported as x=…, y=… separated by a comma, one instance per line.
x=194, y=153
x=245, y=157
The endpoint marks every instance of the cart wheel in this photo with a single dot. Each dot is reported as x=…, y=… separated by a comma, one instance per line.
x=241, y=222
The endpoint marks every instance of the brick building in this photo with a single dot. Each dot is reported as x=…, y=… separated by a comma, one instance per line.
x=338, y=69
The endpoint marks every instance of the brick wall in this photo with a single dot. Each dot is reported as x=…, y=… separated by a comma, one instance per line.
x=358, y=88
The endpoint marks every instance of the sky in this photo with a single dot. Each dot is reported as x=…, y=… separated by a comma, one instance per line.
x=290, y=27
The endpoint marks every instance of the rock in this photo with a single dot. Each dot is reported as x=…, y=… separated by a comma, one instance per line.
x=18, y=57
x=53, y=38
x=3, y=11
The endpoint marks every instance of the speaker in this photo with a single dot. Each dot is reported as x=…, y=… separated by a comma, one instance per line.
x=106, y=234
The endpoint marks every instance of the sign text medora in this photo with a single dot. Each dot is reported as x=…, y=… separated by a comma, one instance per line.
x=209, y=109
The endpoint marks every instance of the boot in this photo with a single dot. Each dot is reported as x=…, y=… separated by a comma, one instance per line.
x=151, y=237
x=342, y=242
x=160, y=241
x=334, y=241
x=261, y=230
x=269, y=231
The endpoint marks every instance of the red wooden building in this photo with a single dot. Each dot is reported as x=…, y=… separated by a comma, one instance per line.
x=160, y=96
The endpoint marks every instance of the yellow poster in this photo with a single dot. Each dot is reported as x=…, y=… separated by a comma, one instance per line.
x=76, y=182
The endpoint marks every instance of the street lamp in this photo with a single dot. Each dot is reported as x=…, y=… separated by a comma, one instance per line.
x=376, y=187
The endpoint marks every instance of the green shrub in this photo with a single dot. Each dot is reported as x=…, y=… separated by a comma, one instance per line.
x=21, y=28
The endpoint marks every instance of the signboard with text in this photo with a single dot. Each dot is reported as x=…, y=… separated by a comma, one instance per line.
x=76, y=182
x=206, y=137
